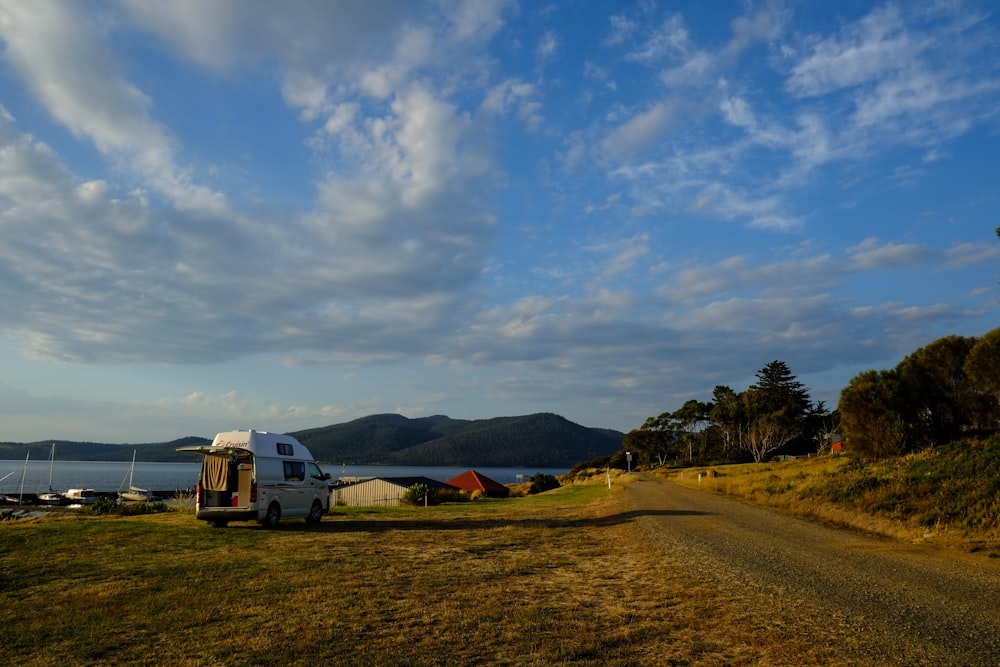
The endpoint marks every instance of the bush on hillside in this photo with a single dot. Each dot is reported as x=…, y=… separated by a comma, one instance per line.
x=541, y=483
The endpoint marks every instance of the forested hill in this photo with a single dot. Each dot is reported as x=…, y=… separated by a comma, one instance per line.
x=543, y=440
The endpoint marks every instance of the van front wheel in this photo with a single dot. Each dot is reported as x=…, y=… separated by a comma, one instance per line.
x=272, y=517
x=315, y=513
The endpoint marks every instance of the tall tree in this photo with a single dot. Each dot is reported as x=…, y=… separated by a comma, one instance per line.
x=871, y=416
x=769, y=426
x=824, y=426
x=781, y=389
x=728, y=418
x=656, y=439
x=691, y=419
x=982, y=367
x=776, y=406
x=939, y=401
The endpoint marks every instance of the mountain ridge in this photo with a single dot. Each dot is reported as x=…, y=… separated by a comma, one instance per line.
x=541, y=439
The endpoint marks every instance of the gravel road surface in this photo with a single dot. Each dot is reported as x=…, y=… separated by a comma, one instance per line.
x=873, y=601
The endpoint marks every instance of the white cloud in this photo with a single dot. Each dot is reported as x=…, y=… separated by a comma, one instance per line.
x=639, y=132
x=620, y=29
x=907, y=73
x=875, y=46
x=60, y=54
x=516, y=97
x=626, y=256
x=476, y=21
x=670, y=40
x=765, y=23
x=737, y=112
x=873, y=255
x=970, y=254
x=636, y=247
x=548, y=46
x=164, y=274
x=739, y=273
x=230, y=34
x=761, y=212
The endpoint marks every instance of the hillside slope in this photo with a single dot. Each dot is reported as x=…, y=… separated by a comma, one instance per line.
x=544, y=440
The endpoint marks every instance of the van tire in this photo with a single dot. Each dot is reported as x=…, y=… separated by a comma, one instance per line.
x=315, y=513
x=272, y=517
x=220, y=523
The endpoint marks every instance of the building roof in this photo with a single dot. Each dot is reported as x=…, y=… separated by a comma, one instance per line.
x=406, y=482
x=470, y=480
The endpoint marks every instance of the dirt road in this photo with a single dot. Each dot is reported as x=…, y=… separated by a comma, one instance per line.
x=872, y=601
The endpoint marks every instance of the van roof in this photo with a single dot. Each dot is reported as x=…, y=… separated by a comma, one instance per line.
x=258, y=443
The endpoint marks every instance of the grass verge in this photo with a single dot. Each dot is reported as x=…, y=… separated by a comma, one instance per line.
x=947, y=495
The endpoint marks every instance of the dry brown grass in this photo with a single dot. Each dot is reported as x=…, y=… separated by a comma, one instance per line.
x=802, y=486
x=563, y=577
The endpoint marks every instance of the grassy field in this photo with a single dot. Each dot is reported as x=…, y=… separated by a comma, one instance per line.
x=555, y=578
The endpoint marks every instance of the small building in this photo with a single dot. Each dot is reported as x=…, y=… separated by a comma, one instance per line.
x=473, y=481
x=379, y=491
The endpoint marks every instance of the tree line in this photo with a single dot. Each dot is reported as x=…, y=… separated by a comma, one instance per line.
x=775, y=414
x=942, y=392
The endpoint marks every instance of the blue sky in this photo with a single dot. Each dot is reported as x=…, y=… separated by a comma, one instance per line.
x=243, y=214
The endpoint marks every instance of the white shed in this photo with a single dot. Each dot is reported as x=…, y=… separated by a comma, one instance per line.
x=378, y=491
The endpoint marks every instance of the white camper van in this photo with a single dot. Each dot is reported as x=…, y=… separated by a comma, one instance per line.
x=259, y=476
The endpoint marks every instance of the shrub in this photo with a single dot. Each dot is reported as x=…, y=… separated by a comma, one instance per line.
x=542, y=482
x=416, y=495
x=452, y=496
x=105, y=505
x=134, y=509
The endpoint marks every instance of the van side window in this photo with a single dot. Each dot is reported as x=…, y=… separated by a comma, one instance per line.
x=315, y=472
x=295, y=471
x=284, y=449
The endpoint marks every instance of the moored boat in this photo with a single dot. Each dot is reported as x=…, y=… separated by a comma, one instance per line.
x=50, y=497
x=80, y=496
x=135, y=494
x=6, y=499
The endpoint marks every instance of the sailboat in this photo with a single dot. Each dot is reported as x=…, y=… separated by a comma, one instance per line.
x=134, y=493
x=20, y=494
x=51, y=497
x=4, y=498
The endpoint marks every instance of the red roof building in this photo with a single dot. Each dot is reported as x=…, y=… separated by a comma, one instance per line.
x=472, y=481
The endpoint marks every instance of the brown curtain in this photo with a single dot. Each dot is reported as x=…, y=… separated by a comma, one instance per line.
x=215, y=472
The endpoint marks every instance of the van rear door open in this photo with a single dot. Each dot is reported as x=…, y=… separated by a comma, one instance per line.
x=226, y=476
x=259, y=476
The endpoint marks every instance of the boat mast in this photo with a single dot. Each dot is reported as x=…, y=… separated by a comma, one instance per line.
x=52, y=460
x=20, y=494
x=131, y=471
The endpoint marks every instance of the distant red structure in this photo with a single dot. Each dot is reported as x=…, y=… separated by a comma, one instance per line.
x=472, y=481
x=837, y=447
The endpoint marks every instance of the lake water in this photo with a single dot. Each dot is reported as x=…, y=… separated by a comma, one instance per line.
x=114, y=475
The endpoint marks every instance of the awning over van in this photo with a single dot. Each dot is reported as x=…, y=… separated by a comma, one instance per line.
x=215, y=472
x=209, y=449
x=215, y=465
